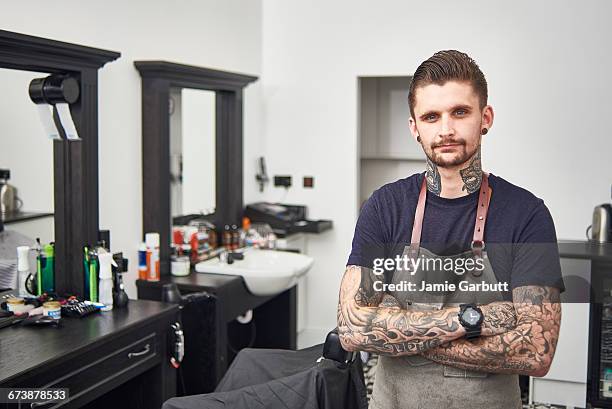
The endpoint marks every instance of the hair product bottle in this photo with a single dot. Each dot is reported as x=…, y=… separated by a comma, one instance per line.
x=152, y=242
x=105, y=292
x=142, y=262
x=23, y=270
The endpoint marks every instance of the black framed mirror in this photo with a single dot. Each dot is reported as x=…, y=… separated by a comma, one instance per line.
x=75, y=162
x=161, y=80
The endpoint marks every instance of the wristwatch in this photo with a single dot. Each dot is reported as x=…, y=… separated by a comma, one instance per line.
x=470, y=316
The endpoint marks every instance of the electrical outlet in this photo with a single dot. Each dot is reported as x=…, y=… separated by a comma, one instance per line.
x=309, y=181
x=284, y=181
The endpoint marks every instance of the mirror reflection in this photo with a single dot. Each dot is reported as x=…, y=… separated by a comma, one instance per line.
x=26, y=174
x=192, y=152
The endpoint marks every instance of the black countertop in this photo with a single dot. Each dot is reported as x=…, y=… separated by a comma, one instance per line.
x=195, y=281
x=231, y=288
x=33, y=347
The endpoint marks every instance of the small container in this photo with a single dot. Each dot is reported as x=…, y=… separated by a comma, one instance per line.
x=52, y=309
x=16, y=305
x=180, y=266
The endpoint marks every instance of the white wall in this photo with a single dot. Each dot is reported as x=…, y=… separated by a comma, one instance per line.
x=547, y=64
x=224, y=35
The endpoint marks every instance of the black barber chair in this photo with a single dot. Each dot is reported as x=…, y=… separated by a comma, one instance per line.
x=320, y=377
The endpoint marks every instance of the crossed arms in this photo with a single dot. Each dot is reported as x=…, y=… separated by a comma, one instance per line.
x=518, y=337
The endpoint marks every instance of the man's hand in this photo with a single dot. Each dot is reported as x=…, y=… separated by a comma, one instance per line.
x=527, y=349
x=373, y=321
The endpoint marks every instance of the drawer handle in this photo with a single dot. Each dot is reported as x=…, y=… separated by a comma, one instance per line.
x=41, y=404
x=146, y=350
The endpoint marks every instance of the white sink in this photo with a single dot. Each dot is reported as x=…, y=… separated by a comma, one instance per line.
x=265, y=272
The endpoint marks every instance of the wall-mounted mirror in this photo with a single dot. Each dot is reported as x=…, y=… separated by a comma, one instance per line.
x=192, y=152
x=192, y=157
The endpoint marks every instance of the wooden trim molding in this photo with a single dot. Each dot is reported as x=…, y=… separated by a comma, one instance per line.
x=157, y=79
x=75, y=163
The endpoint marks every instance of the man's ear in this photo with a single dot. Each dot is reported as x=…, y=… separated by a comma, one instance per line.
x=413, y=130
x=487, y=117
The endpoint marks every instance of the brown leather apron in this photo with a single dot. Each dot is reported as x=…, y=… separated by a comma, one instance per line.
x=417, y=382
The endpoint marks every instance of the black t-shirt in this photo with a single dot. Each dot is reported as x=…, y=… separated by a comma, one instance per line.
x=520, y=234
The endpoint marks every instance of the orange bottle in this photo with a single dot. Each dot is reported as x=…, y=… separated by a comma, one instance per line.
x=152, y=242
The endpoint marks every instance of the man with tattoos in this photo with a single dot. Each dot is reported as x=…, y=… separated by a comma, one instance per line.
x=453, y=349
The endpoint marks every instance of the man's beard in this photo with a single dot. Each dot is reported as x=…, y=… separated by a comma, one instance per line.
x=461, y=156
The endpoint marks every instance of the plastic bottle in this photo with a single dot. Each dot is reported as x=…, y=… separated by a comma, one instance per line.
x=105, y=292
x=227, y=237
x=235, y=241
x=606, y=390
x=47, y=269
x=23, y=270
x=152, y=242
x=142, y=262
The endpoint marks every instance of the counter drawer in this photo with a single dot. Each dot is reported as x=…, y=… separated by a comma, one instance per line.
x=131, y=357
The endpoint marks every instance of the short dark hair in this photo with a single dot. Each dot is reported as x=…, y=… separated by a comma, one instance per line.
x=448, y=65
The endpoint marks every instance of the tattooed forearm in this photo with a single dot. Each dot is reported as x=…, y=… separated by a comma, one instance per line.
x=388, y=329
x=527, y=350
x=434, y=182
x=366, y=295
x=500, y=317
x=472, y=174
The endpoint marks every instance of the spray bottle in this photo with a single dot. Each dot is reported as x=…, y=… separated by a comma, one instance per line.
x=105, y=292
x=23, y=270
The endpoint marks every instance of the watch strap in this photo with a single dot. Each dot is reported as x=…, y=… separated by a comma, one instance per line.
x=471, y=333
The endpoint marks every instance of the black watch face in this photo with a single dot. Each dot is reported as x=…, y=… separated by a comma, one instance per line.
x=470, y=316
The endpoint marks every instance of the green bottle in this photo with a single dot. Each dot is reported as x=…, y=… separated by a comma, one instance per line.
x=46, y=266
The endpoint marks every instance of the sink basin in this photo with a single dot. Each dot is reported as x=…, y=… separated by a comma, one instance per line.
x=265, y=272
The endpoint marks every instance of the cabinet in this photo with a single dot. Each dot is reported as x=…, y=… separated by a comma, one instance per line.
x=117, y=359
x=274, y=318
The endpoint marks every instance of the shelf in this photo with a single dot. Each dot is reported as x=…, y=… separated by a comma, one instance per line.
x=585, y=250
x=384, y=117
x=17, y=217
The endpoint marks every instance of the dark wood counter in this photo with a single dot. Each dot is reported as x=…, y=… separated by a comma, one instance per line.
x=91, y=357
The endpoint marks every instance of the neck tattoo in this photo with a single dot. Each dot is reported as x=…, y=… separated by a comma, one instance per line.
x=434, y=182
x=471, y=176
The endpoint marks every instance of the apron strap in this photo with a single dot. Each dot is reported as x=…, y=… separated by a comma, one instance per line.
x=484, y=198
x=417, y=226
